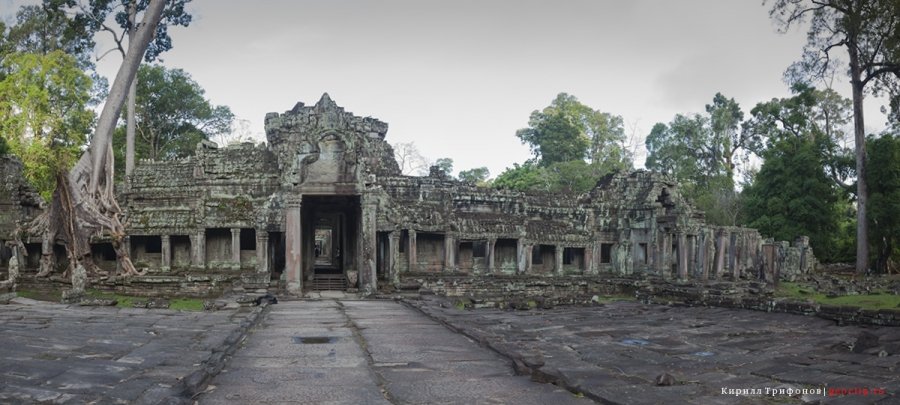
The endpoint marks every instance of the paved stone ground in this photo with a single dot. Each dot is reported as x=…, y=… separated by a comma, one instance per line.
x=368, y=352
x=52, y=353
x=613, y=353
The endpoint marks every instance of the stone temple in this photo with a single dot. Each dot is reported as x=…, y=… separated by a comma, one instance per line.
x=324, y=206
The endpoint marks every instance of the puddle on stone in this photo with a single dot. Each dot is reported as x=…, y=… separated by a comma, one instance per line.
x=313, y=340
x=635, y=342
x=703, y=354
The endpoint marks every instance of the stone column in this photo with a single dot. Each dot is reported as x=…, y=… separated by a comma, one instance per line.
x=665, y=266
x=165, y=262
x=591, y=252
x=529, y=251
x=733, y=263
x=521, y=263
x=721, y=250
x=293, y=244
x=236, y=247
x=559, y=260
x=368, y=271
x=699, y=247
x=411, y=252
x=393, y=256
x=490, y=255
x=262, y=251
x=198, y=249
x=682, y=256
x=450, y=247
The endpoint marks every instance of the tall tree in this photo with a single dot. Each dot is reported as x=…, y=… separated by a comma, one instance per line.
x=813, y=114
x=798, y=190
x=553, y=138
x=792, y=196
x=868, y=31
x=92, y=16
x=569, y=130
x=84, y=203
x=172, y=114
x=703, y=151
x=884, y=223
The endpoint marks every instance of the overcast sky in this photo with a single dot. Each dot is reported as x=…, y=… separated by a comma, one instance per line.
x=459, y=77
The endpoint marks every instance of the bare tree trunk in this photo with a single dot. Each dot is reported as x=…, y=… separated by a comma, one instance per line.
x=113, y=107
x=132, y=93
x=862, y=193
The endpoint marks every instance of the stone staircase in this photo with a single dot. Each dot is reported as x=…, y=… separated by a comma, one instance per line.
x=329, y=282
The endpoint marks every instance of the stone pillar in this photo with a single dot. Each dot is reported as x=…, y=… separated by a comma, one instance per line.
x=411, y=252
x=682, y=256
x=665, y=264
x=393, y=256
x=293, y=244
x=262, y=251
x=368, y=271
x=521, y=263
x=236, y=247
x=490, y=255
x=559, y=260
x=699, y=257
x=721, y=251
x=529, y=251
x=198, y=249
x=450, y=247
x=733, y=263
x=590, y=253
x=165, y=262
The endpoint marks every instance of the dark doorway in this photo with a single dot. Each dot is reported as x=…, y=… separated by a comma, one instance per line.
x=330, y=238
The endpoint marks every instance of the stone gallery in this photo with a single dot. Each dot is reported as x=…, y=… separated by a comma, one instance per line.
x=323, y=205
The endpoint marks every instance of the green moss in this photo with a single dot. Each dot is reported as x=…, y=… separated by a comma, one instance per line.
x=186, y=304
x=881, y=300
x=599, y=299
x=52, y=296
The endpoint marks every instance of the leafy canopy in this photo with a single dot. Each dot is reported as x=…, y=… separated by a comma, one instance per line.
x=172, y=115
x=44, y=114
x=568, y=130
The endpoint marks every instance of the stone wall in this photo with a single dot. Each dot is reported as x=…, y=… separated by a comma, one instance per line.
x=252, y=209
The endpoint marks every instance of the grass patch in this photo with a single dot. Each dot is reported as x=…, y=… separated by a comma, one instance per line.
x=881, y=300
x=186, y=304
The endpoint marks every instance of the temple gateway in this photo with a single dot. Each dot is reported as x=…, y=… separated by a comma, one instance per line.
x=324, y=206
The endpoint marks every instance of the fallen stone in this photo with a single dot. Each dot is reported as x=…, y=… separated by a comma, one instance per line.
x=665, y=380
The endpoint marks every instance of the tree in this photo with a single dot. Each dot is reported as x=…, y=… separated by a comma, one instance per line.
x=172, y=115
x=792, y=196
x=702, y=151
x=44, y=113
x=84, y=203
x=410, y=160
x=868, y=31
x=91, y=16
x=810, y=113
x=804, y=172
x=568, y=130
x=445, y=164
x=524, y=177
x=884, y=222
x=478, y=176
x=40, y=30
x=553, y=138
